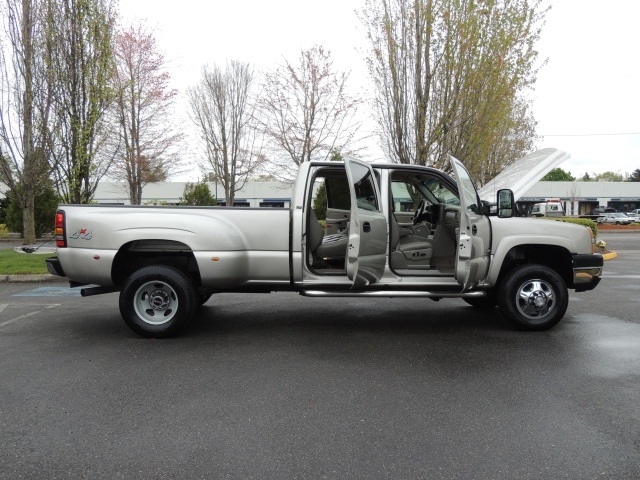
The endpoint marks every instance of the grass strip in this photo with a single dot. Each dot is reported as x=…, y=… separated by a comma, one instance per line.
x=13, y=263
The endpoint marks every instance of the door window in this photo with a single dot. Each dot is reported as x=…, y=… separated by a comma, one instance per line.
x=468, y=190
x=365, y=189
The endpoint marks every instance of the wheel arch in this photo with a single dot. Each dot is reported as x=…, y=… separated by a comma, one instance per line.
x=137, y=254
x=555, y=257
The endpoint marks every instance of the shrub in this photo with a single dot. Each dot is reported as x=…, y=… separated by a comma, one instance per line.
x=4, y=205
x=4, y=233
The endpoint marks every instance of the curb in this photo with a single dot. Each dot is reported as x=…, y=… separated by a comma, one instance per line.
x=41, y=278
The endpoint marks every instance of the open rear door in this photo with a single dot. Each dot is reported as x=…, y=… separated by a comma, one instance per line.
x=474, y=240
x=367, y=226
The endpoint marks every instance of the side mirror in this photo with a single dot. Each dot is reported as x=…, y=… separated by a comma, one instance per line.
x=506, y=203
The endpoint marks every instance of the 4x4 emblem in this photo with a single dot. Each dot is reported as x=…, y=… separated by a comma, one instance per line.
x=82, y=234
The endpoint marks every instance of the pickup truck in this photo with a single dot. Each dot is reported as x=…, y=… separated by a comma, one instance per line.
x=390, y=230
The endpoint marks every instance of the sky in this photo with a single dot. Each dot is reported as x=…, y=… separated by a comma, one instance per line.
x=586, y=100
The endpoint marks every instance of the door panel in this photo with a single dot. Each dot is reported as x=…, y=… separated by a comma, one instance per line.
x=367, y=226
x=474, y=236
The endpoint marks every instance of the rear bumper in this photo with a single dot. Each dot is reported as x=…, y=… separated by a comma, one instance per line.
x=54, y=267
x=587, y=270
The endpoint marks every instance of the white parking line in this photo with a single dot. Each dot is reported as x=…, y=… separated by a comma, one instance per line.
x=3, y=306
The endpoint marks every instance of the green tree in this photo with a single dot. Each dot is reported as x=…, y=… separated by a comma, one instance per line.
x=25, y=100
x=336, y=156
x=452, y=77
x=197, y=194
x=46, y=204
x=320, y=200
x=80, y=33
x=558, y=175
x=586, y=177
x=4, y=205
x=609, y=177
x=635, y=176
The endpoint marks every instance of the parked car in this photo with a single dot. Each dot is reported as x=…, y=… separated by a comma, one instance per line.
x=614, y=218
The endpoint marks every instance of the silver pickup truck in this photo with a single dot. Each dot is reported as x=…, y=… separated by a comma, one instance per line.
x=389, y=231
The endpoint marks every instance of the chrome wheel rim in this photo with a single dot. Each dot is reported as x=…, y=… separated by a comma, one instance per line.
x=535, y=299
x=156, y=302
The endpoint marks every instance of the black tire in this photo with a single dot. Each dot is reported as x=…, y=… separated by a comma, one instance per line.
x=490, y=300
x=533, y=297
x=158, y=301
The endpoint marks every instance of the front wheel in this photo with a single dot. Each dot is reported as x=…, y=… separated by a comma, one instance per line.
x=157, y=301
x=533, y=297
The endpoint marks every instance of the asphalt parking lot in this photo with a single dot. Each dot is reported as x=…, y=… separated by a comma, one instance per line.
x=281, y=386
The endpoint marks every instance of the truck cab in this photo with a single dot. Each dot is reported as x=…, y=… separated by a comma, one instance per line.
x=388, y=227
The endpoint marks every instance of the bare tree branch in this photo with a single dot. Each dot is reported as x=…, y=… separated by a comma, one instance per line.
x=223, y=108
x=307, y=111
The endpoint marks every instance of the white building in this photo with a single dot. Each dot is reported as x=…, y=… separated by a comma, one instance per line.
x=579, y=198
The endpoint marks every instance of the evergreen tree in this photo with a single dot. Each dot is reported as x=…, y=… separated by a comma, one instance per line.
x=46, y=204
x=197, y=194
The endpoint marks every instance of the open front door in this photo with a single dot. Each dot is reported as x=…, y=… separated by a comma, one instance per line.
x=367, y=226
x=474, y=240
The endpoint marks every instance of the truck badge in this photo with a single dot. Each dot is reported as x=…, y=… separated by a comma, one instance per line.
x=82, y=233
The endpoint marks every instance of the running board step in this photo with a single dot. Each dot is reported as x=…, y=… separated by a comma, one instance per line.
x=392, y=294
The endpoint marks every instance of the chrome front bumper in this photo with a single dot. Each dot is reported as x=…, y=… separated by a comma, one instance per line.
x=587, y=271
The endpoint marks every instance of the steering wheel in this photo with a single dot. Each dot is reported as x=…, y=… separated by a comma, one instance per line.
x=418, y=214
x=431, y=213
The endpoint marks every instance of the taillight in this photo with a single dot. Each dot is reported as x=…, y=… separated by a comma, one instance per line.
x=61, y=238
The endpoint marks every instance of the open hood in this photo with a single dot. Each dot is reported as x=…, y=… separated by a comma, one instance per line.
x=522, y=174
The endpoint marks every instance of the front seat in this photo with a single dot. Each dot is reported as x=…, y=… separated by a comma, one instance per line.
x=407, y=250
x=325, y=246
